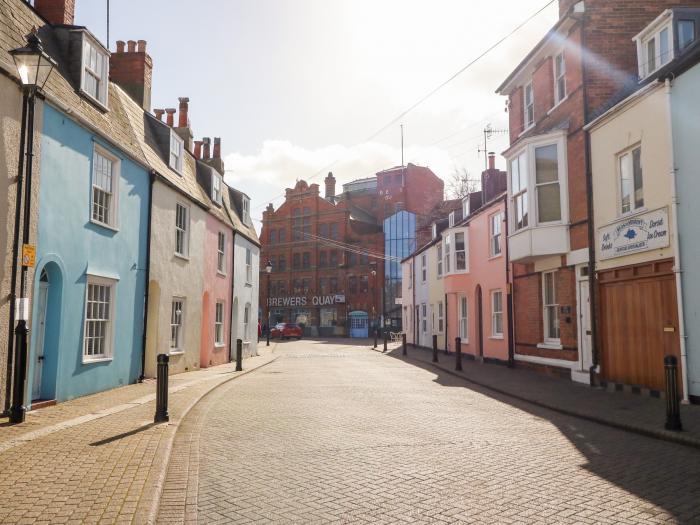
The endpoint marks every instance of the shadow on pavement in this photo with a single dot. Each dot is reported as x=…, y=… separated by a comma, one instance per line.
x=651, y=469
x=123, y=435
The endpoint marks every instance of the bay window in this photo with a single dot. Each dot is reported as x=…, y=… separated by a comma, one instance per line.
x=518, y=177
x=547, y=183
x=439, y=260
x=447, y=253
x=460, y=252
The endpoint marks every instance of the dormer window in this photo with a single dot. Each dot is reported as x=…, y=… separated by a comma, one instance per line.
x=528, y=106
x=655, y=45
x=451, y=219
x=246, y=209
x=465, y=207
x=94, y=77
x=434, y=231
x=177, y=146
x=216, y=188
x=686, y=33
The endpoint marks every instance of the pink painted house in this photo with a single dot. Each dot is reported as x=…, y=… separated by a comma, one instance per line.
x=475, y=277
x=218, y=260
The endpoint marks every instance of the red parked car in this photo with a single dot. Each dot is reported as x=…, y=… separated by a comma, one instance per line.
x=286, y=331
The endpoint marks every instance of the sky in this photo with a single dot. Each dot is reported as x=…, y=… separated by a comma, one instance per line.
x=297, y=88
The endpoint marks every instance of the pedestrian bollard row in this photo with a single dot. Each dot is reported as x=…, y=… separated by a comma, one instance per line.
x=385, y=339
x=162, y=389
x=239, y=355
x=673, y=409
x=376, y=336
x=435, y=350
x=458, y=354
x=403, y=343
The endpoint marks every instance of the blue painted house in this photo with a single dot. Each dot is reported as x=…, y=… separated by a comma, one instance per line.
x=90, y=276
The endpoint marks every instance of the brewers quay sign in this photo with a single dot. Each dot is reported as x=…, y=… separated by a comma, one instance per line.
x=316, y=300
x=636, y=234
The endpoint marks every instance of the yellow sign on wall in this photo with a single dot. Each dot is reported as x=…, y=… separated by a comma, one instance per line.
x=28, y=255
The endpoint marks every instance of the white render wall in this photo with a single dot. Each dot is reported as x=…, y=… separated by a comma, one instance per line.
x=423, y=297
x=245, y=293
x=407, y=301
x=172, y=275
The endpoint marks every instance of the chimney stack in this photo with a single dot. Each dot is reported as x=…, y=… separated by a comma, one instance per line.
x=330, y=186
x=492, y=160
x=183, y=119
x=159, y=113
x=56, y=12
x=217, y=148
x=170, y=119
x=132, y=70
x=207, y=142
x=198, y=149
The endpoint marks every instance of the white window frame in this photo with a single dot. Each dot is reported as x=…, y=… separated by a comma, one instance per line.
x=112, y=221
x=439, y=259
x=526, y=154
x=538, y=185
x=102, y=77
x=221, y=253
x=434, y=231
x=528, y=106
x=177, y=324
x=446, y=252
x=559, y=78
x=652, y=35
x=424, y=317
x=216, y=187
x=246, y=322
x=550, y=308
x=496, y=314
x=176, y=152
x=465, y=251
x=495, y=234
x=182, y=230
x=248, y=266
x=108, y=338
x=451, y=219
x=219, y=314
x=441, y=318
x=628, y=155
x=423, y=267
x=245, y=204
x=463, y=305
x=465, y=207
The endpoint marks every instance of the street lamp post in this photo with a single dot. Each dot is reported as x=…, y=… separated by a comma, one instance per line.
x=374, y=306
x=268, y=270
x=33, y=68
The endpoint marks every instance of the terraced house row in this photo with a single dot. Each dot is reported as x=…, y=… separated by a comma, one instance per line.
x=140, y=247
x=581, y=259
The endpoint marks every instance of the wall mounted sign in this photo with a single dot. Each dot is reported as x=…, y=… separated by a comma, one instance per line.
x=640, y=233
x=315, y=300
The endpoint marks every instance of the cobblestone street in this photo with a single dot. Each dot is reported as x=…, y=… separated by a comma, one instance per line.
x=341, y=433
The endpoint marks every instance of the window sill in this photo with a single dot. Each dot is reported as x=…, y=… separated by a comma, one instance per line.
x=183, y=257
x=176, y=352
x=104, y=225
x=550, y=346
x=497, y=337
x=220, y=273
x=630, y=214
x=219, y=345
x=497, y=256
x=91, y=361
x=555, y=106
x=526, y=130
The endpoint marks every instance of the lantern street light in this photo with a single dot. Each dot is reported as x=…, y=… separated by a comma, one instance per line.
x=33, y=68
x=268, y=270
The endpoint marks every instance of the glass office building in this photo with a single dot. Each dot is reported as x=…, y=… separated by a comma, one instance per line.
x=399, y=242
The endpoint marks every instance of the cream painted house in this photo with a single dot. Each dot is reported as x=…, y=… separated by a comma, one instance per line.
x=436, y=290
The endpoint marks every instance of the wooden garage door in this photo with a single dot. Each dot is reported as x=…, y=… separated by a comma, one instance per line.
x=637, y=312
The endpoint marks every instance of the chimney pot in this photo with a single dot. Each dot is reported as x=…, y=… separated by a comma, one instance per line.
x=133, y=72
x=170, y=119
x=217, y=148
x=198, y=149
x=207, y=142
x=131, y=44
x=141, y=46
x=120, y=46
x=492, y=160
x=183, y=119
x=159, y=113
x=56, y=12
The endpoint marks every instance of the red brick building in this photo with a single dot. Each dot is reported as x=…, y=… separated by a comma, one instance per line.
x=583, y=61
x=328, y=252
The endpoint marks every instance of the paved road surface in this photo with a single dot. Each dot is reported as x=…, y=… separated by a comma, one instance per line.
x=334, y=433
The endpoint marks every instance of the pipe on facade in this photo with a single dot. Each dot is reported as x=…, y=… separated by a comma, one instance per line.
x=152, y=180
x=677, y=271
x=509, y=291
x=231, y=295
x=15, y=255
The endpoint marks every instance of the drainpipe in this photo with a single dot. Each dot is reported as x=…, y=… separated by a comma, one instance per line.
x=413, y=288
x=677, y=271
x=509, y=292
x=230, y=302
x=152, y=177
x=447, y=335
x=592, y=292
x=15, y=257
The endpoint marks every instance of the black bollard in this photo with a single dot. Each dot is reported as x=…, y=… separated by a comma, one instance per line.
x=239, y=355
x=385, y=341
x=18, y=411
x=162, y=389
x=403, y=342
x=435, y=351
x=458, y=353
x=673, y=409
x=376, y=336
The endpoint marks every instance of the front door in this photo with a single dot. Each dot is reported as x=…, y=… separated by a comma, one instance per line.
x=43, y=296
x=584, y=317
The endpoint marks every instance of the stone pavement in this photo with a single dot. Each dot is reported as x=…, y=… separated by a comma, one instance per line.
x=100, y=458
x=337, y=433
x=627, y=411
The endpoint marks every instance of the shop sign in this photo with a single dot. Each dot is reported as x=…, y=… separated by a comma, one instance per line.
x=636, y=234
x=315, y=300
